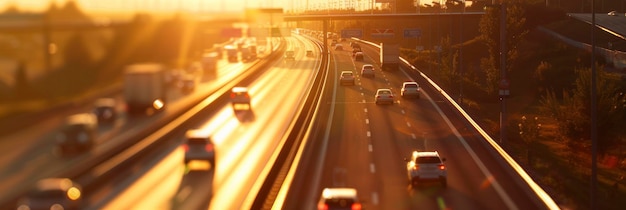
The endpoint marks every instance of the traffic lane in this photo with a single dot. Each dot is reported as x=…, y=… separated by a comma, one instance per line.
x=276, y=95
x=616, y=24
x=244, y=140
x=499, y=171
x=34, y=156
x=393, y=143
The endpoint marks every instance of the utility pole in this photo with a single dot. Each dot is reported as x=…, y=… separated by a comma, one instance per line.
x=594, y=123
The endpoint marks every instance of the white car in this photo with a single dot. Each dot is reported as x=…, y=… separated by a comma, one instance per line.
x=410, y=89
x=198, y=146
x=426, y=167
x=367, y=70
x=347, y=77
x=239, y=95
x=339, y=198
x=384, y=96
x=338, y=47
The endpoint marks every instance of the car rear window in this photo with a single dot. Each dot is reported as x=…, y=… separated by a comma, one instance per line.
x=347, y=74
x=428, y=160
x=339, y=203
x=410, y=86
x=368, y=67
x=197, y=141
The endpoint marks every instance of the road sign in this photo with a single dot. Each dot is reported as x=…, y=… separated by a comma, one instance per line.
x=348, y=33
x=412, y=32
x=387, y=33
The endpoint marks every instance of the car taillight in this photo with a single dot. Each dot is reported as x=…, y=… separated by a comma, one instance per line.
x=442, y=167
x=186, y=147
x=322, y=206
x=416, y=167
x=232, y=95
x=208, y=147
x=356, y=206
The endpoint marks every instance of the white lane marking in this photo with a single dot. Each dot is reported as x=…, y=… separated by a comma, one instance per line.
x=413, y=136
x=367, y=121
x=364, y=102
x=372, y=168
x=375, y=198
x=403, y=111
x=370, y=148
x=369, y=134
x=365, y=110
x=408, y=124
x=496, y=186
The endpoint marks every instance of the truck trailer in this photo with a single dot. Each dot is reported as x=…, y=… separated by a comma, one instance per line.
x=389, y=56
x=144, y=88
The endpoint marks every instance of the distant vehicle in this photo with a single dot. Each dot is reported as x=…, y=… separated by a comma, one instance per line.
x=355, y=50
x=78, y=134
x=209, y=62
x=339, y=198
x=173, y=77
x=309, y=53
x=384, y=96
x=367, y=70
x=253, y=51
x=246, y=54
x=612, y=13
x=338, y=47
x=389, y=56
x=355, y=45
x=232, y=53
x=188, y=84
x=290, y=55
x=347, y=77
x=104, y=109
x=410, y=89
x=358, y=56
x=53, y=193
x=198, y=146
x=426, y=167
x=333, y=42
x=144, y=89
x=239, y=95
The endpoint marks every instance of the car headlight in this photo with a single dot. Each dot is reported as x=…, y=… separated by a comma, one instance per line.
x=83, y=137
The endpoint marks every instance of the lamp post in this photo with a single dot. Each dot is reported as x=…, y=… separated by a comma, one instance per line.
x=461, y=51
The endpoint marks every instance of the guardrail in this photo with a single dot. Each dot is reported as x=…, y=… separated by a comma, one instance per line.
x=278, y=180
x=93, y=172
x=517, y=169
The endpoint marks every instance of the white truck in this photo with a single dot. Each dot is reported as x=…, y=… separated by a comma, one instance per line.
x=389, y=56
x=144, y=88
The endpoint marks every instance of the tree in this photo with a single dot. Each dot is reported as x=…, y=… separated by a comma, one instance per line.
x=490, y=35
x=572, y=113
x=21, y=88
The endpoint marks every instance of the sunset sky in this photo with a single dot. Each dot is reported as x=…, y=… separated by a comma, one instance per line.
x=153, y=5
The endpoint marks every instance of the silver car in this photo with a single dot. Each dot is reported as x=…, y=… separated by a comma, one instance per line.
x=410, y=89
x=347, y=77
x=367, y=70
x=384, y=96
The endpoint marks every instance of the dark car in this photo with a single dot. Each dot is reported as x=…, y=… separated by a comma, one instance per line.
x=78, y=134
x=198, y=146
x=52, y=193
x=104, y=109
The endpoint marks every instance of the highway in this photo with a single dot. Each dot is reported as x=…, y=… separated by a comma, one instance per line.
x=29, y=154
x=363, y=145
x=246, y=142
